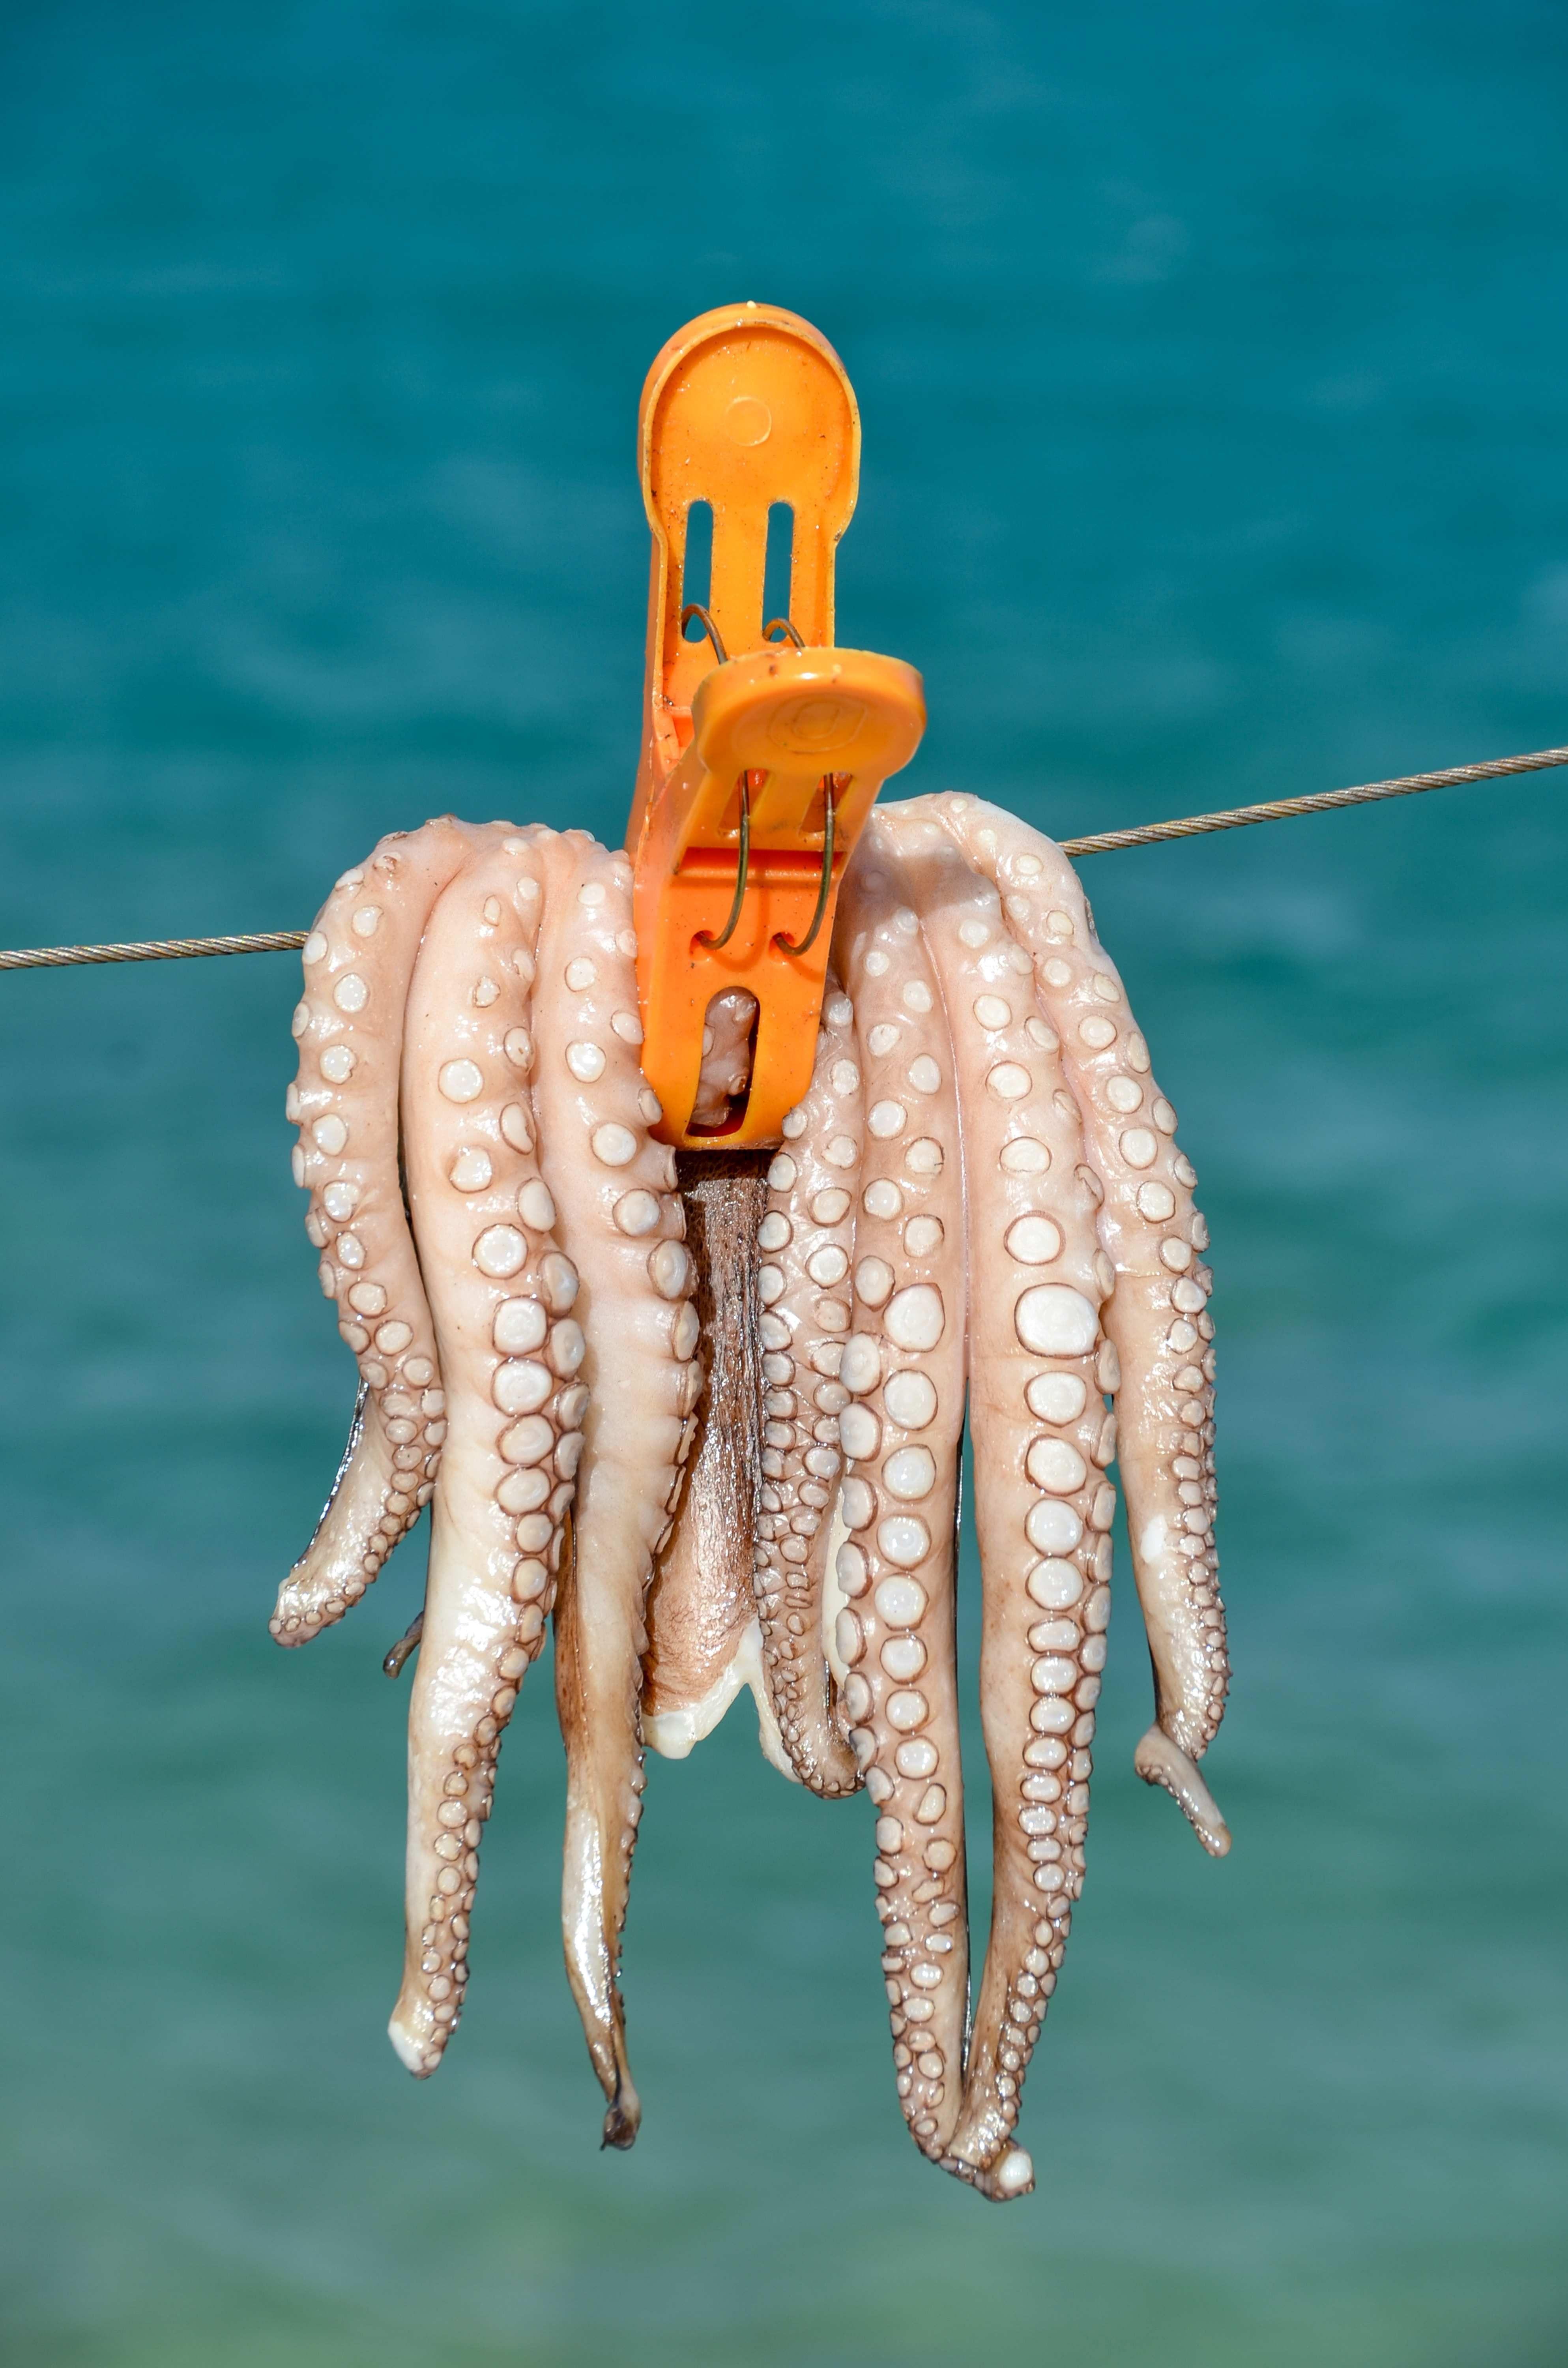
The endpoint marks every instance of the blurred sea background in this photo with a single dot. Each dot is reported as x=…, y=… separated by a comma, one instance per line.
x=1213, y=366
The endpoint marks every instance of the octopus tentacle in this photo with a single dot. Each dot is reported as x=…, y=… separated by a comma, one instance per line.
x=704, y=1641
x=979, y=1192
x=358, y=959
x=1042, y=1506
x=500, y=1291
x=903, y=1367
x=725, y=1070
x=620, y=1222
x=807, y=1238
x=1158, y=1320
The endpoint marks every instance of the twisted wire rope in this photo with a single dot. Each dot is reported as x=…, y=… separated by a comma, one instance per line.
x=1103, y=842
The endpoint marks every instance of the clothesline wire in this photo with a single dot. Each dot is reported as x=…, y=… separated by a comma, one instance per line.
x=1495, y=768
x=1104, y=842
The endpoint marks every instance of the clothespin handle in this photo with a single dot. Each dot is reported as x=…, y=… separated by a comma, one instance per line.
x=759, y=769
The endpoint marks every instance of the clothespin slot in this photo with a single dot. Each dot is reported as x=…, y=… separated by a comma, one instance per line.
x=765, y=745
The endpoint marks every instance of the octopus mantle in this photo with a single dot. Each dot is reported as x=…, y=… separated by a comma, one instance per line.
x=706, y=1416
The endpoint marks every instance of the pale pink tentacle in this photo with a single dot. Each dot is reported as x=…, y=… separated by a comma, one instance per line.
x=358, y=959
x=701, y=1614
x=501, y=1291
x=620, y=1221
x=704, y=1640
x=807, y=1239
x=903, y=1366
x=1042, y=1507
x=725, y=1068
x=1158, y=1319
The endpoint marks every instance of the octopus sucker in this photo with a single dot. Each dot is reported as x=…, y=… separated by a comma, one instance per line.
x=709, y=1410
x=634, y=1340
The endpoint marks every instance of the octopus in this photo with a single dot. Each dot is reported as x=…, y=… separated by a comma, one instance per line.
x=702, y=1415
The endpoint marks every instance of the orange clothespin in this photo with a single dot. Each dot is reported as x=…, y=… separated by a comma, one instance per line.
x=761, y=758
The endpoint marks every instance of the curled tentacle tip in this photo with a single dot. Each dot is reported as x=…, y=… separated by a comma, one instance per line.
x=621, y=2124
x=291, y=1629
x=1160, y=1762
x=410, y=2051
x=407, y=1645
x=1010, y=2176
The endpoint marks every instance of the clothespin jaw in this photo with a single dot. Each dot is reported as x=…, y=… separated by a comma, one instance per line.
x=758, y=770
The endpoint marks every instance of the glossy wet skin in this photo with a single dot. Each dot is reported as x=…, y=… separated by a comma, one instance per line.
x=978, y=1205
x=558, y=1321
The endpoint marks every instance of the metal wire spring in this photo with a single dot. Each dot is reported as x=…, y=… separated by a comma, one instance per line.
x=1104, y=842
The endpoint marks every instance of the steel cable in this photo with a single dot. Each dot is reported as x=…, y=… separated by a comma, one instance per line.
x=1103, y=842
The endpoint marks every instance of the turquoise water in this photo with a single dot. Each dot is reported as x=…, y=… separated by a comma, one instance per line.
x=1212, y=362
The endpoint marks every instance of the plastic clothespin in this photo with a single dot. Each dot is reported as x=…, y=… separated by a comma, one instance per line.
x=761, y=759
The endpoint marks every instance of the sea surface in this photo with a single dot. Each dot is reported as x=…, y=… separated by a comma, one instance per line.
x=1212, y=363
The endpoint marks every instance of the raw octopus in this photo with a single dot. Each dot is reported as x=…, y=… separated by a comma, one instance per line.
x=704, y=1413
